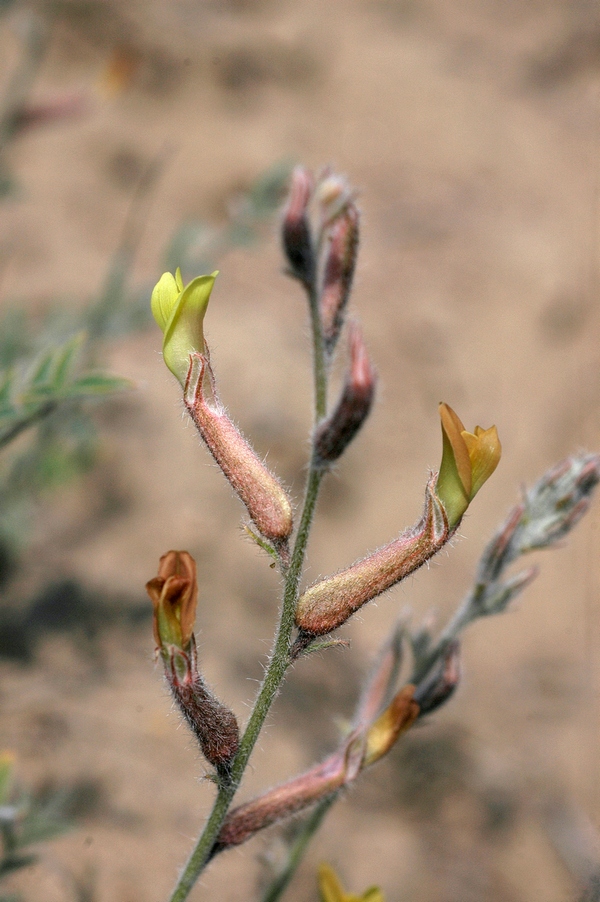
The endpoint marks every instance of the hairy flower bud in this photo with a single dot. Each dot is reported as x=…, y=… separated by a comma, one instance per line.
x=333, y=194
x=213, y=724
x=329, y=603
x=296, y=231
x=381, y=682
x=174, y=597
x=266, y=500
x=340, y=263
x=335, y=433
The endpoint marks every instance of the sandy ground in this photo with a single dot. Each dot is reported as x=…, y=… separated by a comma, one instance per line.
x=471, y=129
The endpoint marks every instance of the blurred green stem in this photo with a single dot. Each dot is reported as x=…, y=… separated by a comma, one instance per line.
x=297, y=849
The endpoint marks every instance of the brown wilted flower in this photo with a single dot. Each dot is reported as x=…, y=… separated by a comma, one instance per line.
x=174, y=597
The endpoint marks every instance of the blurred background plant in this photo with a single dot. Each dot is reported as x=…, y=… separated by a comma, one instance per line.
x=25, y=821
x=50, y=371
x=473, y=137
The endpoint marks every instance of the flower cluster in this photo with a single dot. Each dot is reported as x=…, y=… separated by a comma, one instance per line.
x=320, y=238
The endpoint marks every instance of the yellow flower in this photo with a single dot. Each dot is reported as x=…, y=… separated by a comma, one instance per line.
x=179, y=311
x=331, y=890
x=468, y=460
x=383, y=733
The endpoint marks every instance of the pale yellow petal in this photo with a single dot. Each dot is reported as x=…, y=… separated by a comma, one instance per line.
x=164, y=299
x=184, y=333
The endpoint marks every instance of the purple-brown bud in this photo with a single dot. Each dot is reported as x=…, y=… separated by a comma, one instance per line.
x=329, y=603
x=265, y=498
x=340, y=263
x=213, y=724
x=296, y=231
x=437, y=687
x=335, y=434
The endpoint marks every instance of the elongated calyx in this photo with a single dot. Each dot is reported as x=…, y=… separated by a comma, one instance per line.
x=265, y=498
x=335, y=433
x=339, y=267
x=329, y=603
x=179, y=311
x=365, y=745
x=468, y=460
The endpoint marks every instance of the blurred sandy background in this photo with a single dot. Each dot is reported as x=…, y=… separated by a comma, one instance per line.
x=471, y=129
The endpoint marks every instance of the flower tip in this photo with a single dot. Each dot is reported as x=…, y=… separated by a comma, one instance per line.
x=468, y=460
x=173, y=593
x=179, y=311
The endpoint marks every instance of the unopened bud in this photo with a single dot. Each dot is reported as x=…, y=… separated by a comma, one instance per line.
x=213, y=724
x=501, y=550
x=335, y=434
x=340, y=263
x=329, y=603
x=296, y=231
x=333, y=195
x=557, y=502
x=265, y=498
x=54, y=109
x=381, y=682
x=440, y=684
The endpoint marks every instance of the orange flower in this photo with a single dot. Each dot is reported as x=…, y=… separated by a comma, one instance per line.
x=468, y=460
x=174, y=596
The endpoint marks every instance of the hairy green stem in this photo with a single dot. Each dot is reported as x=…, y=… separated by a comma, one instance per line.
x=280, y=656
x=297, y=849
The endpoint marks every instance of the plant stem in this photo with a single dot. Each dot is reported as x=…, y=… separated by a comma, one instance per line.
x=319, y=361
x=463, y=615
x=11, y=432
x=271, y=684
x=298, y=848
x=280, y=656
